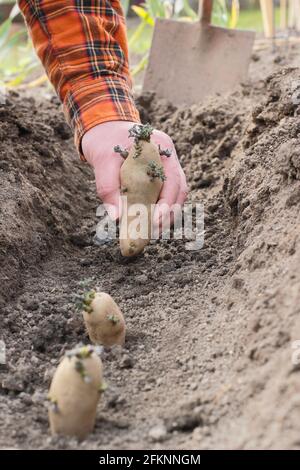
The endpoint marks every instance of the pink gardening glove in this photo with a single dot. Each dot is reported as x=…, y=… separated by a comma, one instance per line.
x=98, y=148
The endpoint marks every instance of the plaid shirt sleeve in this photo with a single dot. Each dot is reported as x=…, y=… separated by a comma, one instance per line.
x=83, y=47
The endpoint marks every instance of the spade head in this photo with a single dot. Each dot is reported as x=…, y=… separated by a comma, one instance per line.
x=189, y=61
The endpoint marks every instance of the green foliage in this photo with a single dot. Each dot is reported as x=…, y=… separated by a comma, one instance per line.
x=188, y=10
x=252, y=19
x=220, y=15
x=17, y=58
x=125, y=5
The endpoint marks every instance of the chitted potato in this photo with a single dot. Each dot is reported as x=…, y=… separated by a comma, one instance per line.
x=74, y=393
x=103, y=319
x=142, y=176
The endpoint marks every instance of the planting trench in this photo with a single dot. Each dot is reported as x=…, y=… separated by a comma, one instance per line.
x=207, y=361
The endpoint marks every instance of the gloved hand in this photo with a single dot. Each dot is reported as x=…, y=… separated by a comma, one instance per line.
x=98, y=148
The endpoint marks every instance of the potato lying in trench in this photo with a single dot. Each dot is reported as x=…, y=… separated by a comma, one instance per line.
x=104, y=321
x=142, y=176
x=74, y=393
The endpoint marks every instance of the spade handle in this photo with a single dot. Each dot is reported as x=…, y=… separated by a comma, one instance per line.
x=205, y=10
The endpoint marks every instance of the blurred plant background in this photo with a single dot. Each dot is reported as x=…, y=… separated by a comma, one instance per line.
x=18, y=62
x=19, y=66
x=241, y=14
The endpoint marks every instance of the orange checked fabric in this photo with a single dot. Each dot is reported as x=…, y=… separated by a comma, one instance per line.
x=83, y=47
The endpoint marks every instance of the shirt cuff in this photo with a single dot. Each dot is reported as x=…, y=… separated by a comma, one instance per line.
x=92, y=102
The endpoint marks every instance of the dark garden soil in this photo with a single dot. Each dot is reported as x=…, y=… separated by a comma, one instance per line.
x=208, y=356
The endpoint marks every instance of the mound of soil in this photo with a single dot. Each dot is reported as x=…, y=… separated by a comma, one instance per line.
x=44, y=190
x=208, y=357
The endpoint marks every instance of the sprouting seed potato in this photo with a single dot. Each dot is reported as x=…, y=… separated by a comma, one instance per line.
x=104, y=321
x=142, y=176
x=74, y=393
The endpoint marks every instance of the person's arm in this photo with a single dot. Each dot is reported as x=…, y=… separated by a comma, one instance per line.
x=83, y=48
